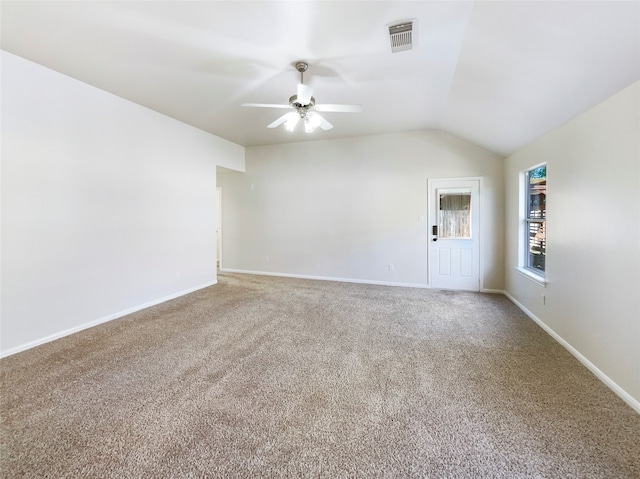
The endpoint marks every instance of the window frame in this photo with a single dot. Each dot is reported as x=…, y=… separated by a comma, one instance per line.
x=536, y=274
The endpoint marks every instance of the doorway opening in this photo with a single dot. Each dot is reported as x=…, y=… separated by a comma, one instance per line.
x=218, y=228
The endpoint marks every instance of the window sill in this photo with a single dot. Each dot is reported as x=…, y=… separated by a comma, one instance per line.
x=531, y=276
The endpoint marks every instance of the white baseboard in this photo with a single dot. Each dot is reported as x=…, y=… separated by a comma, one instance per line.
x=325, y=278
x=625, y=396
x=492, y=291
x=90, y=324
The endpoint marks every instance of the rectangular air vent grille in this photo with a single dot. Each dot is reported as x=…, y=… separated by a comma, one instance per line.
x=401, y=36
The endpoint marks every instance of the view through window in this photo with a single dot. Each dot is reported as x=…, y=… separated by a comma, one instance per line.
x=536, y=215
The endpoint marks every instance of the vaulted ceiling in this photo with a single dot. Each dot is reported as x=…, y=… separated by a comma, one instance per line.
x=498, y=74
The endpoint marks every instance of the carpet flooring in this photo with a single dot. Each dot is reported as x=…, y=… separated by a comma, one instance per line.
x=279, y=377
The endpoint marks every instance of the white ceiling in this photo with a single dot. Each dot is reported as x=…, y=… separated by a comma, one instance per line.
x=499, y=74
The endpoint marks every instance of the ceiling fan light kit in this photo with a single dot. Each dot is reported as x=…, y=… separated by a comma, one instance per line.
x=291, y=120
x=305, y=108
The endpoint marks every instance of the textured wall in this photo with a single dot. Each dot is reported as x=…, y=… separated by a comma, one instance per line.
x=593, y=236
x=106, y=205
x=347, y=208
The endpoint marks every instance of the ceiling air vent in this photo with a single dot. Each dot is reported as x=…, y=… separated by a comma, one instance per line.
x=402, y=36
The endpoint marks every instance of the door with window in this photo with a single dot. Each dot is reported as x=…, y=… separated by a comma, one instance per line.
x=454, y=231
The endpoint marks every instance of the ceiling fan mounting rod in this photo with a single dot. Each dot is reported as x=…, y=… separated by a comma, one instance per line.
x=302, y=67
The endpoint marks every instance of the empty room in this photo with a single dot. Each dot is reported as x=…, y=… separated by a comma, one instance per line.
x=320, y=239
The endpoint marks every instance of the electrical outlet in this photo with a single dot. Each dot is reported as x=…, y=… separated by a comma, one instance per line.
x=390, y=266
x=266, y=259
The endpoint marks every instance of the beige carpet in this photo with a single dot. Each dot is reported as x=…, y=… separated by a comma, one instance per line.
x=276, y=377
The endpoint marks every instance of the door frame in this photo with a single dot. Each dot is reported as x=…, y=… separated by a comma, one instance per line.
x=432, y=221
x=219, y=228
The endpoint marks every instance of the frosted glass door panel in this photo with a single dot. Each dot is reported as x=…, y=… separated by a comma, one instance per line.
x=454, y=215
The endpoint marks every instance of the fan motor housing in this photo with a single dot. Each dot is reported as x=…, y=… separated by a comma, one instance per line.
x=293, y=101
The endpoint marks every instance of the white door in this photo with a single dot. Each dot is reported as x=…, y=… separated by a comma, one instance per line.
x=454, y=226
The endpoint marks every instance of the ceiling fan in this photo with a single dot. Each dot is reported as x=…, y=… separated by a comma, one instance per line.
x=306, y=108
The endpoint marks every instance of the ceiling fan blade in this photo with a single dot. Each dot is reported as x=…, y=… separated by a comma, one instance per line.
x=324, y=124
x=266, y=105
x=339, y=108
x=304, y=94
x=279, y=121
x=289, y=119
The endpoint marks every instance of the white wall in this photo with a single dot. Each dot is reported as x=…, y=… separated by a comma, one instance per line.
x=106, y=205
x=347, y=208
x=593, y=238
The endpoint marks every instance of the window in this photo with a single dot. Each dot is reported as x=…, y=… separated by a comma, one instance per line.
x=454, y=218
x=535, y=243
